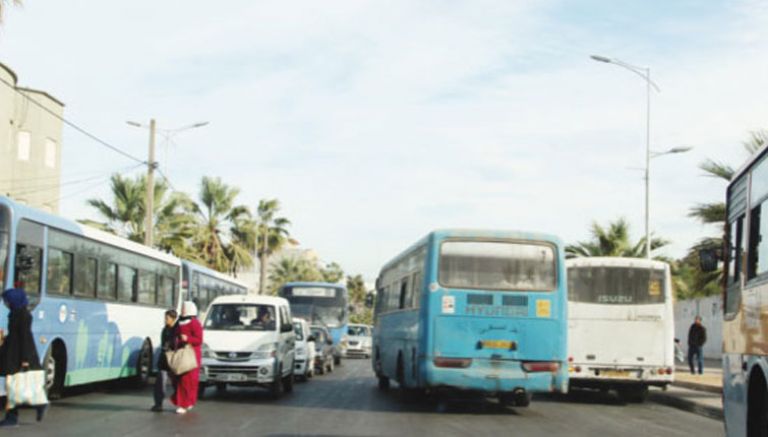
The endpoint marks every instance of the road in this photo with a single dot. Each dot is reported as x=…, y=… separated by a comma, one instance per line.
x=347, y=402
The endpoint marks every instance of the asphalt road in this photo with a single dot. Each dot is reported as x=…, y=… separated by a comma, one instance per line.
x=347, y=402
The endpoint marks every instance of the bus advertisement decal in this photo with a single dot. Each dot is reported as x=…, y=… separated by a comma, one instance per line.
x=449, y=305
x=543, y=308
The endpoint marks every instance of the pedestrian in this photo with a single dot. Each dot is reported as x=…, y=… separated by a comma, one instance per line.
x=18, y=351
x=188, y=332
x=166, y=344
x=697, y=336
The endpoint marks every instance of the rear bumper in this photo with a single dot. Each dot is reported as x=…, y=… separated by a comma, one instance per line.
x=496, y=377
x=590, y=376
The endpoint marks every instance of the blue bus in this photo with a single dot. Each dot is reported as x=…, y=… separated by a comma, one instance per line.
x=97, y=300
x=202, y=285
x=321, y=303
x=476, y=311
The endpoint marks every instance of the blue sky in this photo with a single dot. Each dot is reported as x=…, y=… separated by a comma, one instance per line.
x=375, y=122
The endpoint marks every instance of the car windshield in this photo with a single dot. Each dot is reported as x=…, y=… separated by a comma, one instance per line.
x=360, y=331
x=319, y=335
x=298, y=331
x=241, y=317
x=4, y=242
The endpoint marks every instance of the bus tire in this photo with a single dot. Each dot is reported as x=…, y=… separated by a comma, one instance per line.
x=55, y=365
x=143, y=364
x=757, y=405
x=383, y=383
x=634, y=394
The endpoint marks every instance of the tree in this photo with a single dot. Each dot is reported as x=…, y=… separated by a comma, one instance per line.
x=272, y=234
x=2, y=6
x=332, y=273
x=291, y=270
x=356, y=288
x=612, y=240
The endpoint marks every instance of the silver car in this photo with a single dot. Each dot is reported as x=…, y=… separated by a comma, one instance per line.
x=358, y=340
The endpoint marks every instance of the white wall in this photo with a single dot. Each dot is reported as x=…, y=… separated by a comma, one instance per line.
x=711, y=311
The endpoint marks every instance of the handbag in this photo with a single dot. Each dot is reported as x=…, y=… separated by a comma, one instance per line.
x=181, y=360
x=25, y=388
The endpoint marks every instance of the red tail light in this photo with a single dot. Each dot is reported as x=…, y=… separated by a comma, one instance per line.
x=570, y=359
x=669, y=370
x=541, y=366
x=453, y=363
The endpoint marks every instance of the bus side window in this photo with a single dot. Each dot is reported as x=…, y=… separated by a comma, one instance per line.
x=404, y=294
x=416, y=287
x=29, y=258
x=757, y=255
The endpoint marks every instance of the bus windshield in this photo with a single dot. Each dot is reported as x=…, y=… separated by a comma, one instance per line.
x=4, y=242
x=320, y=305
x=241, y=317
x=616, y=285
x=497, y=265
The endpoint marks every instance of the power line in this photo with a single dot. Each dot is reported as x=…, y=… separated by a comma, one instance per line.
x=73, y=125
x=30, y=189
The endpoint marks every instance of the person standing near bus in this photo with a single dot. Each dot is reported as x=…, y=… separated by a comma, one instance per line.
x=188, y=332
x=697, y=336
x=166, y=344
x=18, y=350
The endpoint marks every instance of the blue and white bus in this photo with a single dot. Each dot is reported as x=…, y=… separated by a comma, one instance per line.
x=479, y=311
x=202, y=285
x=97, y=300
x=321, y=303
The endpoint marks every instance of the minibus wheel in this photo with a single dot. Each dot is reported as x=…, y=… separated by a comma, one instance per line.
x=276, y=388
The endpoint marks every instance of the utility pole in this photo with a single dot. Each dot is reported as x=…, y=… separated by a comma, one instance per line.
x=263, y=259
x=150, y=202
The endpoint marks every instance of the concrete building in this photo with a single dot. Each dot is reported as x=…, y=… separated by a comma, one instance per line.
x=30, y=144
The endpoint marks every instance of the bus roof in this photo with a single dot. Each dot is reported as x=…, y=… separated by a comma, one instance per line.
x=213, y=273
x=442, y=234
x=75, y=228
x=615, y=261
x=748, y=164
x=250, y=299
x=314, y=284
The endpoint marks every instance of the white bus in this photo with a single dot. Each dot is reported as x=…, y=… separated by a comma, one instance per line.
x=620, y=325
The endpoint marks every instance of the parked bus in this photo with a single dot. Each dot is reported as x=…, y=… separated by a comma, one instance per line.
x=202, y=285
x=97, y=300
x=621, y=328
x=482, y=311
x=321, y=303
x=745, y=300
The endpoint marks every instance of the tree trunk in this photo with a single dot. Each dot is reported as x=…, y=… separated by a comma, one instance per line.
x=263, y=274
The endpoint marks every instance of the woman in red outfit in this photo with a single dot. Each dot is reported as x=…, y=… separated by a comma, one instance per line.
x=188, y=331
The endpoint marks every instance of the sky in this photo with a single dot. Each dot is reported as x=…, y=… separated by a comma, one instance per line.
x=375, y=122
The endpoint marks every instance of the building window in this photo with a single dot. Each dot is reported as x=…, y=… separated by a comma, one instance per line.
x=50, y=153
x=24, y=143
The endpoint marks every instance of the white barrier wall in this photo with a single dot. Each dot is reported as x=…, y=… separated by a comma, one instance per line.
x=711, y=311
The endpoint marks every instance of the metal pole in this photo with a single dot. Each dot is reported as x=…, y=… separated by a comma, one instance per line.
x=149, y=224
x=263, y=261
x=648, y=164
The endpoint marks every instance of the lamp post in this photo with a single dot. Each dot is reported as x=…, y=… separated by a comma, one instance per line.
x=645, y=73
x=151, y=165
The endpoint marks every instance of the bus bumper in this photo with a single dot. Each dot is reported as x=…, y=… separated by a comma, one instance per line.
x=496, y=377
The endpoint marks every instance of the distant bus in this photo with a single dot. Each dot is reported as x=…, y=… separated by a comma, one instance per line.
x=481, y=311
x=202, y=285
x=745, y=300
x=97, y=300
x=321, y=303
x=620, y=325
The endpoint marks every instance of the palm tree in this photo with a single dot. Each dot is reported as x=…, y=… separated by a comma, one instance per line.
x=356, y=287
x=612, y=241
x=332, y=273
x=291, y=270
x=2, y=7
x=272, y=235
x=217, y=216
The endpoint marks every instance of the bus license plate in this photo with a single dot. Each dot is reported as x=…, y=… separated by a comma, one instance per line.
x=615, y=373
x=234, y=377
x=498, y=344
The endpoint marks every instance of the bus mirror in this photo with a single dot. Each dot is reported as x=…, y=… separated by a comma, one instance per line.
x=708, y=260
x=369, y=300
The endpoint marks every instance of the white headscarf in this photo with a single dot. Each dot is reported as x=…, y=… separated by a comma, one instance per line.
x=188, y=309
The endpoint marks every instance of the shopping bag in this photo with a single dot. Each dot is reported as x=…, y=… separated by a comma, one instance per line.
x=25, y=388
x=182, y=360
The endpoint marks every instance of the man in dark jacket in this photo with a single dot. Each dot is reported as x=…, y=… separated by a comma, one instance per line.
x=166, y=344
x=697, y=336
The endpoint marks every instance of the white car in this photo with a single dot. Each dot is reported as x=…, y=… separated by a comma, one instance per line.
x=304, y=363
x=359, y=340
x=248, y=341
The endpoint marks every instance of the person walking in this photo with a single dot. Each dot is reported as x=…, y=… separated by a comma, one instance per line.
x=697, y=336
x=18, y=352
x=188, y=332
x=166, y=344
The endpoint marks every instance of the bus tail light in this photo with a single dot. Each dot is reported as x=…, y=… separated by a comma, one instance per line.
x=453, y=363
x=669, y=370
x=541, y=366
x=570, y=359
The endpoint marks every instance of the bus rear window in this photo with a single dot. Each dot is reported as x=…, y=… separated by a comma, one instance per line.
x=497, y=265
x=616, y=285
x=4, y=242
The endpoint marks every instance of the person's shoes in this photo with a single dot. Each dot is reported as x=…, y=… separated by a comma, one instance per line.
x=181, y=410
x=189, y=408
x=41, y=410
x=156, y=408
x=9, y=423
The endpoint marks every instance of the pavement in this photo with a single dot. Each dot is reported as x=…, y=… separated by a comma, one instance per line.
x=700, y=394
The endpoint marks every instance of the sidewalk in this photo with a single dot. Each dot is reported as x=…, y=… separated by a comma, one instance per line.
x=700, y=394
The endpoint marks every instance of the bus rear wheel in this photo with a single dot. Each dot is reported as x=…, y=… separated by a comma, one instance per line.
x=54, y=366
x=757, y=407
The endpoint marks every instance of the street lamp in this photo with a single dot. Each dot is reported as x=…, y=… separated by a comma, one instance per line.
x=645, y=73
x=151, y=164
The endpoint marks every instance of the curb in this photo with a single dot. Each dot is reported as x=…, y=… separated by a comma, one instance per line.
x=687, y=405
x=698, y=387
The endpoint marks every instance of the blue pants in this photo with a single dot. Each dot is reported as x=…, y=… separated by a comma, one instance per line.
x=695, y=351
x=161, y=382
